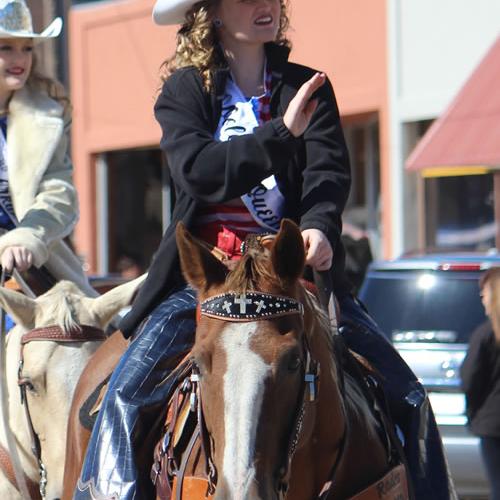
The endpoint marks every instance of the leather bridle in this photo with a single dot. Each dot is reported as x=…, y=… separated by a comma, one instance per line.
x=258, y=306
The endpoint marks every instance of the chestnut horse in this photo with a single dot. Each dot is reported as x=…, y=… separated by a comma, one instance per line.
x=282, y=418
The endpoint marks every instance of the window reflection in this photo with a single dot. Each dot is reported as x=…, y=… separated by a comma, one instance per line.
x=460, y=212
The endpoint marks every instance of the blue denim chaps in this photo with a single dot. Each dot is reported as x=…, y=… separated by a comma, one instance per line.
x=110, y=469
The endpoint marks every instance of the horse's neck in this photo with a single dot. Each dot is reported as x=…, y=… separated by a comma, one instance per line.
x=364, y=457
x=330, y=405
x=344, y=422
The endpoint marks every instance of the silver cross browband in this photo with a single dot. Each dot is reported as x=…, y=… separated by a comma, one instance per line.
x=249, y=306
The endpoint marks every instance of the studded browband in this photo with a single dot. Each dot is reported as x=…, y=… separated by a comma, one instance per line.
x=249, y=306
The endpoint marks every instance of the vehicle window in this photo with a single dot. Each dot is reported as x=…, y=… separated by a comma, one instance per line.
x=424, y=306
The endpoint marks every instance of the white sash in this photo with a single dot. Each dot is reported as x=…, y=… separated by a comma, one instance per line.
x=265, y=202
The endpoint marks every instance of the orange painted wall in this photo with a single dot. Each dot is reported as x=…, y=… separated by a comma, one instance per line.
x=116, y=52
x=346, y=39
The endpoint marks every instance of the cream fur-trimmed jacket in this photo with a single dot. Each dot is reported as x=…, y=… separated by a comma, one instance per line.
x=41, y=184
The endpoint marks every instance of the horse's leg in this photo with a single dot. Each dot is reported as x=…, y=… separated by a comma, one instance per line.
x=100, y=366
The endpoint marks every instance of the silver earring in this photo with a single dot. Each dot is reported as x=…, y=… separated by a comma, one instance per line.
x=217, y=22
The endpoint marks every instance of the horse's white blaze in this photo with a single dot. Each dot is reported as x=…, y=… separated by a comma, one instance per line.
x=243, y=394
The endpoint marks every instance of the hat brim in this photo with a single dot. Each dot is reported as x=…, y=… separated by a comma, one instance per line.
x=167, y=12
x=51, y=31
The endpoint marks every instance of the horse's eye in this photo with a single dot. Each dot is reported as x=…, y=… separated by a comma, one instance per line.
x=204, y=362
x=30, y=387
x=294, y=363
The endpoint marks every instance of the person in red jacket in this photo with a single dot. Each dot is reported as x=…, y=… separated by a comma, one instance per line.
x=250, y=138
x=480, y=374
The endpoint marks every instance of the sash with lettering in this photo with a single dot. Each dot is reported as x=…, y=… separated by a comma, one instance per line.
x=265, y=202
x=7, y=217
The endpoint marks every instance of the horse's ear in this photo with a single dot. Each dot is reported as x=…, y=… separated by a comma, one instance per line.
x=287, y=254
x=110, y=303
x=20, y=307
x=200, y=268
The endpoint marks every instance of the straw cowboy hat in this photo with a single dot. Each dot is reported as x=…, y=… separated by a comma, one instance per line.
x=16, y=22
x=171, y=11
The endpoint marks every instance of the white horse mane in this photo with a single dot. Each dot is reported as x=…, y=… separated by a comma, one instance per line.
x=60, y=306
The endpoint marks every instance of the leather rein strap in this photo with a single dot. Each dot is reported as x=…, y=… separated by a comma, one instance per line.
x=54, y=333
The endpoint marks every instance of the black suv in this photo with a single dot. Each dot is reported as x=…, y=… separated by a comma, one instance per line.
x=428, y=306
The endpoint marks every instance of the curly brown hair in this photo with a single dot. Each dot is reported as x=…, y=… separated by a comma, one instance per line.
x=197, y=42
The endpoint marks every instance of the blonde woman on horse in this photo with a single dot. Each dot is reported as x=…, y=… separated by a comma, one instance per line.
x=250, y=138
x=38, y=201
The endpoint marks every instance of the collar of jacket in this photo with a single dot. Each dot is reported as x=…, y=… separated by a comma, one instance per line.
x=277, y=58
x=28, y=101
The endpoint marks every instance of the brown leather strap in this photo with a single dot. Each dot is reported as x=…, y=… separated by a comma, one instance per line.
x=206, y=450
x=51, y=334
x=8, y=469
x=57, y=334
x=178, y=395
x=193, y=488
x=184, y=462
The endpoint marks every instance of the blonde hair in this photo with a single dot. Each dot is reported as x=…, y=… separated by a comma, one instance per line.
x=491, y=278
x=197, y=42
x=49, y=86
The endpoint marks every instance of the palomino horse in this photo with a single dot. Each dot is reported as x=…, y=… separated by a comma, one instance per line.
x=281, y=416
x=55, y=336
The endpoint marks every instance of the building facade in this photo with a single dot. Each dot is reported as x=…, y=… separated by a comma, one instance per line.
x=395, y=66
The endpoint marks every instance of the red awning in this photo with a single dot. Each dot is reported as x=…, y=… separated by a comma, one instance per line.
x=466, y=138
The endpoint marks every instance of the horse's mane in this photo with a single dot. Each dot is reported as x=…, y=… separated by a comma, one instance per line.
x=252, y=271
x=255, y=270
x=59, y=306
x=355, y=402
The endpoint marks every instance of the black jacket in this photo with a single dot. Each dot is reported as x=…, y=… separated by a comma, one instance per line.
x=480, y=374
x=313, y=170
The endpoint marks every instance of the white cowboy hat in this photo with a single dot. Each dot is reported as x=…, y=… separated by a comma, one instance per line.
x=171, y=11
x=16, y=22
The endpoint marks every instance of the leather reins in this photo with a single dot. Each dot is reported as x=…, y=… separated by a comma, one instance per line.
x=308, y=391
x=53, y=333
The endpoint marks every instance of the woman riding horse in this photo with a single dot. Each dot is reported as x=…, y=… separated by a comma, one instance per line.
x=38, y=202
x=250, y=138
